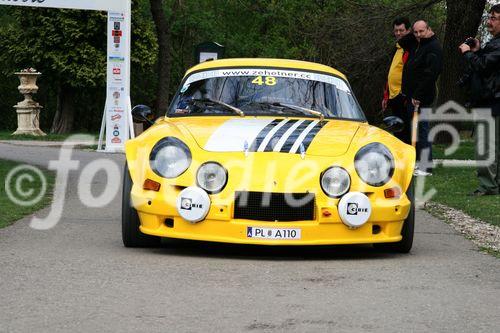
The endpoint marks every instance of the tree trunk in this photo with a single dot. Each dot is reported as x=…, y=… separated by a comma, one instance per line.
x=164, y=62
x=65, y=111
x=462, y=21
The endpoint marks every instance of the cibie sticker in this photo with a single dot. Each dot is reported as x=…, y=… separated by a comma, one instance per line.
x=354, y=209
x=193, y=204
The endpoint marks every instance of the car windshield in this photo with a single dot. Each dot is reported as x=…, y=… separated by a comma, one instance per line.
x=265, y=92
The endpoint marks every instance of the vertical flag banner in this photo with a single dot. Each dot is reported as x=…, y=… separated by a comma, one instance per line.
x=117, y=97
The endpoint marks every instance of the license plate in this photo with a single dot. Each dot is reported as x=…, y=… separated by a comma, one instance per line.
x=273, y=233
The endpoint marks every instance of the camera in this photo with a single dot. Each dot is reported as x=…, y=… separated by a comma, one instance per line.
x=471, y=42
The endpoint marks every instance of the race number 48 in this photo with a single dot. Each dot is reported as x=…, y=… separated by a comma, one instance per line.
x=267, y=80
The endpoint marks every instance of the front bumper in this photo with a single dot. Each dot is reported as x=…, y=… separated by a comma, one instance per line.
x=159, y=217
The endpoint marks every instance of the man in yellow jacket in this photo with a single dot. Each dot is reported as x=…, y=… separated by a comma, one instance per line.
x=393, y=98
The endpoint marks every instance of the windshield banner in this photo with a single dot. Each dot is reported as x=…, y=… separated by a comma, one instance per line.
x=268, y=72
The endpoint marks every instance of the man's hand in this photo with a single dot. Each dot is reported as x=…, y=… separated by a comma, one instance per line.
x=464, y=48
x=384, y=104
x=415, y=102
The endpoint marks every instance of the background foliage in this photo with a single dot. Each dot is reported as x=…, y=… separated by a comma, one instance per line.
x=69, y=47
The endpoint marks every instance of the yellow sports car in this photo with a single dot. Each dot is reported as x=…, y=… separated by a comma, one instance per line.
x=268, y=152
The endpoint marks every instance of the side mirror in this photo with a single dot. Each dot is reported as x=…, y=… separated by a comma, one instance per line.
x=393, y=124
x=142, y=114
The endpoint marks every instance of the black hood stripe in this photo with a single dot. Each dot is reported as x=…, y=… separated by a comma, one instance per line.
x=279, y=134
x=294, y=136
x=262, y=135
x=312, y=134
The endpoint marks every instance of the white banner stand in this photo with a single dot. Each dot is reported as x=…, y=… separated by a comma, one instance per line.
x=117, y=124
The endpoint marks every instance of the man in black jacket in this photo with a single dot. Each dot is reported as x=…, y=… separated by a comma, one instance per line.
x=485, y=66
x=425, y=64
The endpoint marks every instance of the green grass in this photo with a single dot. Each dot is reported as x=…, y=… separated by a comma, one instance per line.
x=464, y=152
x=453, y=185
x=91, y=147
x=490, y=251
x=48, y=137
x=11, y=212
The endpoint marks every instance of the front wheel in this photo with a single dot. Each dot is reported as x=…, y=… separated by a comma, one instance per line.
x=405, y=244
x=131, y=235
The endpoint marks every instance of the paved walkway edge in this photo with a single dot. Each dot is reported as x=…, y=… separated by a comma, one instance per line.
x=483, y=234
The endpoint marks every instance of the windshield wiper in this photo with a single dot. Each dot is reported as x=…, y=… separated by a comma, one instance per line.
x=301, y=109
x=295, y=108
x=227, y=106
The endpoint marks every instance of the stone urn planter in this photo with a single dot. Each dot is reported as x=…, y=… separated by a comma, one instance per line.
x=28, y=111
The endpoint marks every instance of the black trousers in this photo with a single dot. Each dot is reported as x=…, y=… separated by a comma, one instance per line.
x=398, y=108
x=489, y=175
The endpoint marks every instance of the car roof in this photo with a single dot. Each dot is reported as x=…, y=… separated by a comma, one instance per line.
x=265, y=62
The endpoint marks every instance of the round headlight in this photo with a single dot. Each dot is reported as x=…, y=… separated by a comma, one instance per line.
x=335, y=182
x=170, y=157
x=374, y=164
x=212, y=177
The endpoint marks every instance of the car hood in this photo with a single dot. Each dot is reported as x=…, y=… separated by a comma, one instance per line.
x=285, y=135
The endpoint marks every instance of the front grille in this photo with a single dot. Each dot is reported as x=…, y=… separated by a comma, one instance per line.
x=264, y=206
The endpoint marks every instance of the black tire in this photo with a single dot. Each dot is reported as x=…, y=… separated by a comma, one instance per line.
x=405, y=244
x=131, y=235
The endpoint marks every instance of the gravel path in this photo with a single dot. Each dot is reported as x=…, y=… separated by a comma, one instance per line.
x=78, y=277
x=481, y=233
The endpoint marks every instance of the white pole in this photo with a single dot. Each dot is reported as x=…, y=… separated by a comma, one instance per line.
x=128, y=17
x=103, y=129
